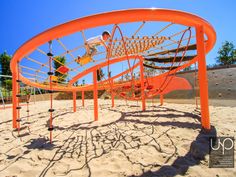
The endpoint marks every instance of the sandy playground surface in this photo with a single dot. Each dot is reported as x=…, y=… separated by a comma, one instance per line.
x=162, y=141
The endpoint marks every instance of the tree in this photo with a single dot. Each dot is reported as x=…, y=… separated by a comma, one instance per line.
x=227, y=54
x=149, y=71
x=187, y=68
x=5, y=64
x=8, y=84
x=59, y=61
x=83, y=82
x=76, y=83
x=127, y=76
x=5, y=60
x=100, y=74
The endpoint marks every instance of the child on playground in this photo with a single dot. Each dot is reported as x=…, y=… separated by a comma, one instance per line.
x=92, y=44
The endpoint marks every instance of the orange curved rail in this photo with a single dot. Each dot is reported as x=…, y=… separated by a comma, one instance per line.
x=124, y=16
x=174, y=16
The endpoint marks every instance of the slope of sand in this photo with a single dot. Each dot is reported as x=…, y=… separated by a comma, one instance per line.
x=162, y=141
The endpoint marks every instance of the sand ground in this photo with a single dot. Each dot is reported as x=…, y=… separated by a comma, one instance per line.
x=162, y=141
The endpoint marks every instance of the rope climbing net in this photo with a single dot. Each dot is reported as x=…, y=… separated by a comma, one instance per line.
x=132, y=88
x=160, y=53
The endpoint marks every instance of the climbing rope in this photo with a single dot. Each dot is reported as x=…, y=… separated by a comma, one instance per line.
x=50, y=73
x=27, y=107
x=166, y=82
x=195, y=85
x=18, y=95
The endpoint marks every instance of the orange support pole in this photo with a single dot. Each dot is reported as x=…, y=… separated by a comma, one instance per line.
x=95, y=95
x=161, y=99
x=83, y=98
x=74, y=101
x=14, y=100
x=112, y=95
x=202, y=76
x=142, y=85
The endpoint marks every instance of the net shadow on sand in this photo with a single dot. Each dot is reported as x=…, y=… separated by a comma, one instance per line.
x=198, y=150
x=132, y=133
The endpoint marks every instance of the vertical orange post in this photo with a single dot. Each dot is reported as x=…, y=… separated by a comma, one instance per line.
x=112, y=95
x=82, y=98
x=142, y=85
x=202, y=76
x=161, y=99
x=95, y=95
x=74, y=101
x=14, y=100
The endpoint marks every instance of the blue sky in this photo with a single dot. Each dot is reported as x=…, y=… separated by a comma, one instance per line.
x=23, y=19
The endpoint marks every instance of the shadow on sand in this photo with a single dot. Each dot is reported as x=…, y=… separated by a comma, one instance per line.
x=114, y=137
x=198, y=150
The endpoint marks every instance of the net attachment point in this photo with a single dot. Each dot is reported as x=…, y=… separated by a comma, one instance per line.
x=49, y=54
x=50, y=129
x=51, y=110
x=50, y=73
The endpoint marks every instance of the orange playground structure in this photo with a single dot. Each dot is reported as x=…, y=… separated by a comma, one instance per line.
x=137, y=67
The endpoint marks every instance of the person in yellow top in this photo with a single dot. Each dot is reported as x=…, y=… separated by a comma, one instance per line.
x=92, y=44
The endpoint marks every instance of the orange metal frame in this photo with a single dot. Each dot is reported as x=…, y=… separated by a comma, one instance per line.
x=116, y=17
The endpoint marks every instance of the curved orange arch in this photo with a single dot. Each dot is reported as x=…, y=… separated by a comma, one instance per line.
x=174, y=16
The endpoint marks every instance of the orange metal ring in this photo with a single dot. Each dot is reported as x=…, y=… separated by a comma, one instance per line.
x=115, y=17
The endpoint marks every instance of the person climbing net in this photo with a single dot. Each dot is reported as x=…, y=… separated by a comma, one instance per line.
x=91, y=45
